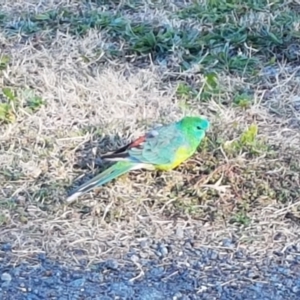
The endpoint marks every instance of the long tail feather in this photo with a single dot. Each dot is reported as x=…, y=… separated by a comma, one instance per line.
x=114, y=171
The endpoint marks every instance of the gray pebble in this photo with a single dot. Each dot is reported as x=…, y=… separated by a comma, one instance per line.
x=297, y=247
x=121, y=289
x=162, y=250
x=179, y=233
x=6, y=247
x=4, y=284
x=157, y=272
x=177, y=296
x=144, y=244
x=134, y=258
x=6, y=277
x=150, y=293
x=112, y=264
x=228, y=243
x=78, y=282
x=290, y=257
x=213, y=255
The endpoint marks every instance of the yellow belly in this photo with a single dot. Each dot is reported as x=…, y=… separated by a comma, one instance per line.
x=182, y=155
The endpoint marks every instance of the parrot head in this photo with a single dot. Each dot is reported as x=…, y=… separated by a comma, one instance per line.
x=195, y=127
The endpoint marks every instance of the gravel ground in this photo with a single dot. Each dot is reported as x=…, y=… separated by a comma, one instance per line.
x=190, y=274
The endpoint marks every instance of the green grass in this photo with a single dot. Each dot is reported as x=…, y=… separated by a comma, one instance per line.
x=216, y=36
x=12, y=100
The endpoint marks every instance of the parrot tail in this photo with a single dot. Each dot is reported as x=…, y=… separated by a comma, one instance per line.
x=112, y=172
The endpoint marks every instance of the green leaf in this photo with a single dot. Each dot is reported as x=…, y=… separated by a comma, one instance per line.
x=4, y=61
x=248, y=137
x=6, y=113
x=211, y=80
x=9, y=94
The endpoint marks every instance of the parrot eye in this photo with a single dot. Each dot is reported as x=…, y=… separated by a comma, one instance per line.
x=199, y=128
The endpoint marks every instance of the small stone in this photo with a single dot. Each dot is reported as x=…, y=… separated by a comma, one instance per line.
x=289, y=283
x=76, y=275
x=78, y=282
x=112, y=264
x=42, y=257
x=144, y=262
x=177, y=296
x=122, y=290
x=278, y=253
x=144, y=255
x=157, y=272
x=202, y=289
x=20, y=199
x=134, y=258
x=213, y=255
x=296, y=103
x=179, y=233
x=252, y=274
x=227, y=243
x=100, y=277
x=290, y=257
x=163, y=250
x=277, y=236
x=144, y=244
x=238, y=254
x=6, y=277
x=4, y=285
x=6, y=247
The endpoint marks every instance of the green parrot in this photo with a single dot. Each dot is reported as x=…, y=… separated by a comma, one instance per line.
x=162, y=148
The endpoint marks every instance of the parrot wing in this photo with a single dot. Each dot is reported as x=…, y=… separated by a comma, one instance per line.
x=157, y=147
x=138, y=141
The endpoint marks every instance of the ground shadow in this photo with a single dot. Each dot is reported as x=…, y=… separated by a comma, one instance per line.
x=88, y=162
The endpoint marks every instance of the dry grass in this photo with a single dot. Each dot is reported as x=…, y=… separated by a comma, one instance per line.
x=246, y=190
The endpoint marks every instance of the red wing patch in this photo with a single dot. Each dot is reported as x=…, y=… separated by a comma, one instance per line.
x=137, y=142
x=121, y=152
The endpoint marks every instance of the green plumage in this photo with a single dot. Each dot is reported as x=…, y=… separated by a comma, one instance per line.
x=163, y=148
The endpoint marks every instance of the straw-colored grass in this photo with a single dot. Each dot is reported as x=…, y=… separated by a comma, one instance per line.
x=67, y=102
